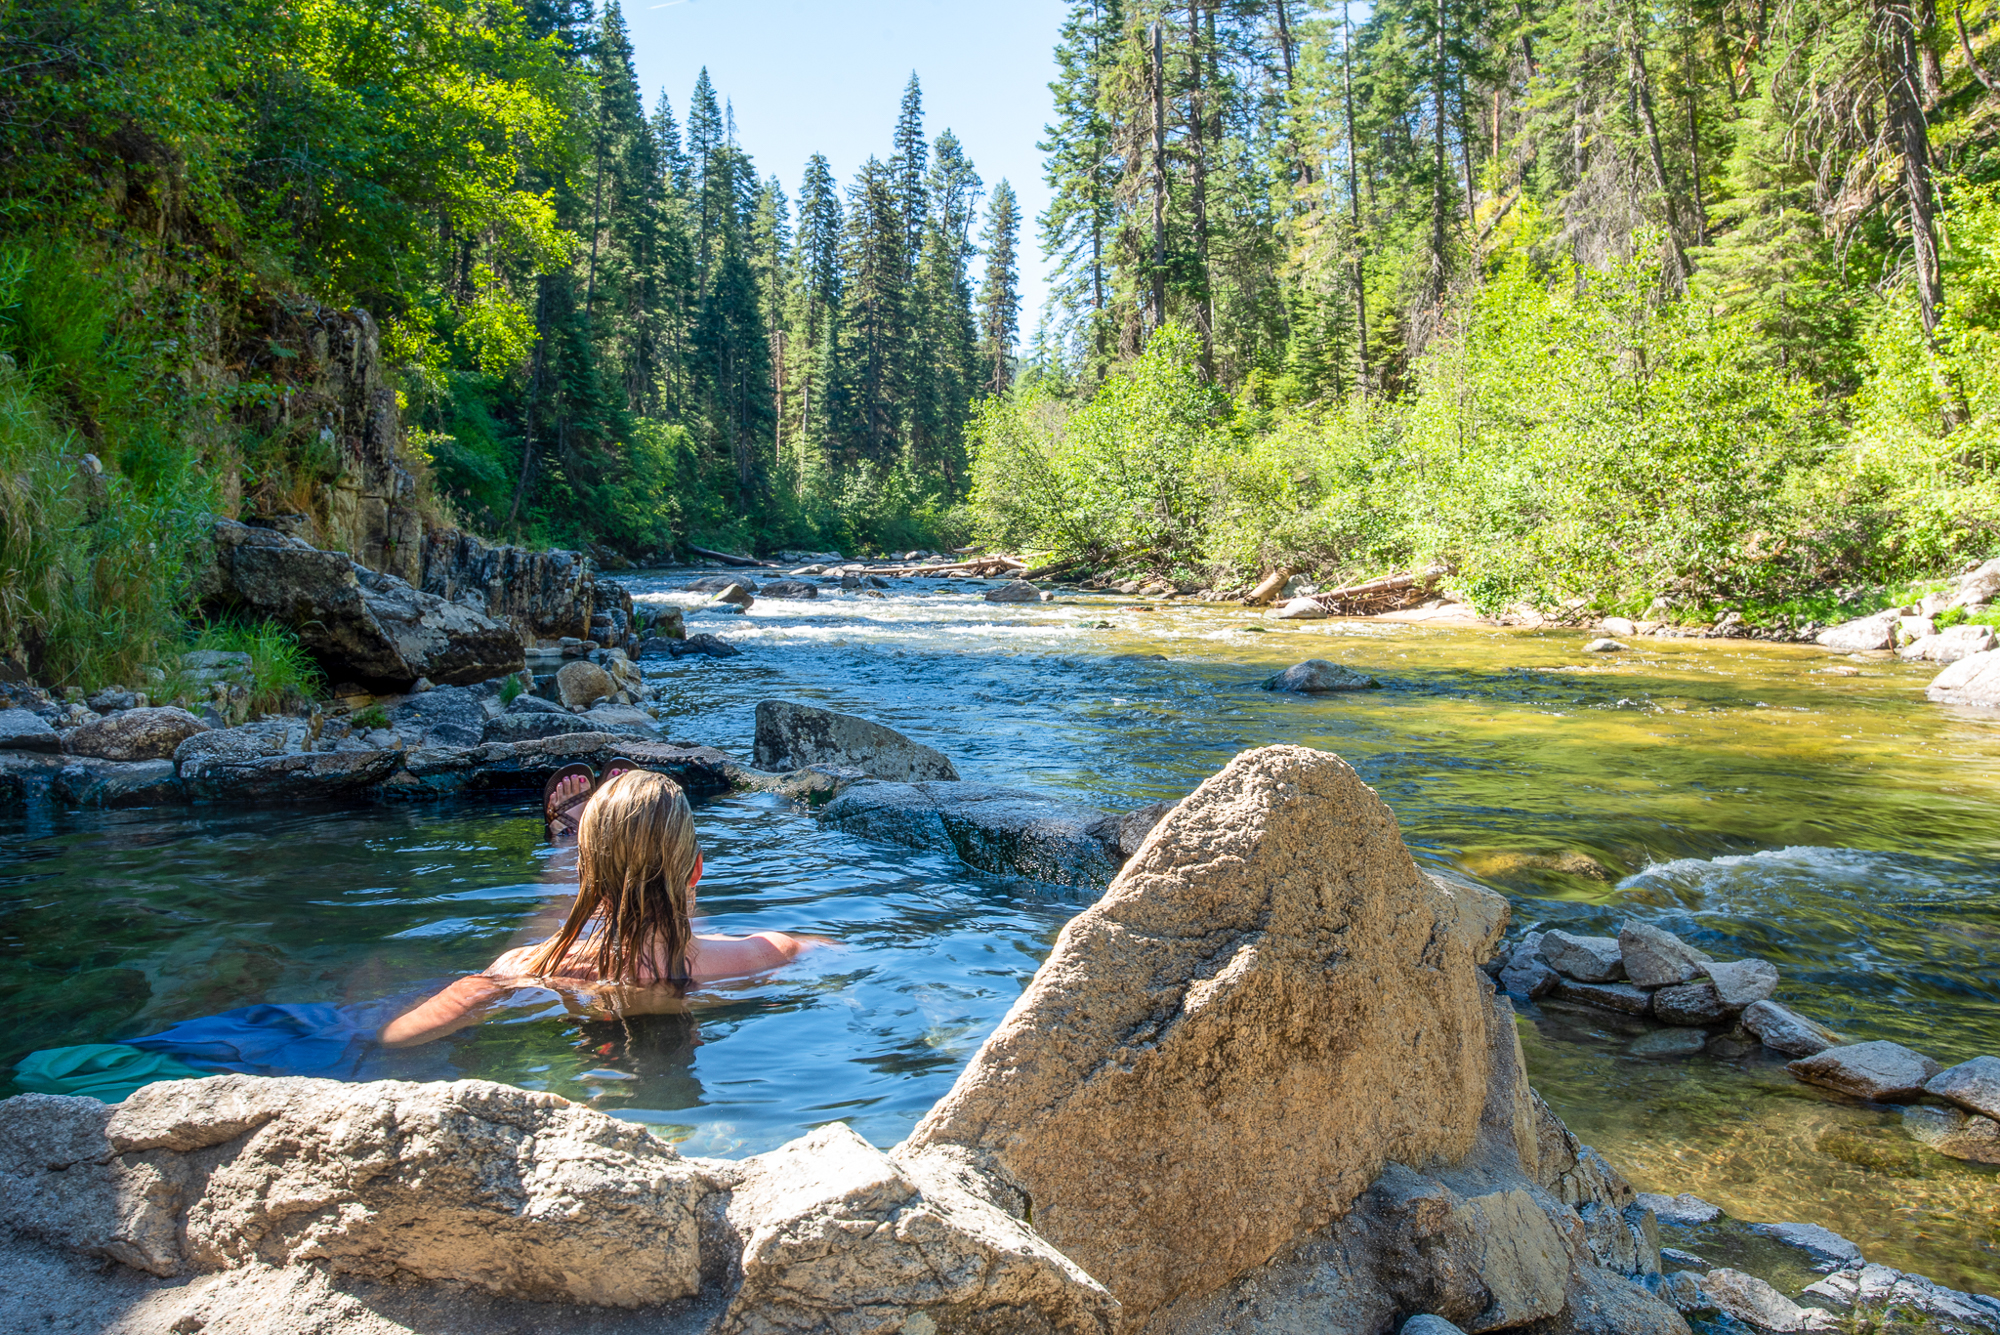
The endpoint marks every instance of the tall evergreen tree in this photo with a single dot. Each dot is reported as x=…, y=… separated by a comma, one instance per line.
x=1000, y=292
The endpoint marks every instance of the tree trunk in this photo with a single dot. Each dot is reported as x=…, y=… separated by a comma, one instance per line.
x=1642, y=103
x=1159, y=184
x=1438, y=178
x=1902, y=76
x=1204, y=317
x=1354, y=198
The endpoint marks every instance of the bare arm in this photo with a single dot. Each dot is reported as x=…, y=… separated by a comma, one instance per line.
x=463, y=1003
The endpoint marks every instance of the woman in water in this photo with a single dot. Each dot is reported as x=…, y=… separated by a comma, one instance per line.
x=637, y=866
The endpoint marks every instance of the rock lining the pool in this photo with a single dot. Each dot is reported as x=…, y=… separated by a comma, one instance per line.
x=1262, y=1078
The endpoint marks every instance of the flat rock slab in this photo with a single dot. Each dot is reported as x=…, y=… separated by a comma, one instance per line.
x=1828, y=1249
x=989, y=827
x=1783, y=1029
x=25, y=730
x=1621, y=997
x=83, y=782
x=1883, y=1071
x=1755, y=1303
x=1973, y=1086
x=1587, y=959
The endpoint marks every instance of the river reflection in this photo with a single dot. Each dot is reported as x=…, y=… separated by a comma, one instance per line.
x=1734, y=792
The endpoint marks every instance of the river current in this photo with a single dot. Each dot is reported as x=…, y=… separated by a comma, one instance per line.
x=1738, y=793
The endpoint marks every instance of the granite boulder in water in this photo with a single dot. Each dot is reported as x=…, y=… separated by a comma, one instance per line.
x=1656, y=958
x=1316, y=676
x=793, y=736
x=1014, y=591
x=1883, y=1071
x=1973, y=1086
x=1783, y=1029
x=1974, y=680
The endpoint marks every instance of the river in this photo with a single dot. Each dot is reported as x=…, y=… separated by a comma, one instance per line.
x=1735, y=792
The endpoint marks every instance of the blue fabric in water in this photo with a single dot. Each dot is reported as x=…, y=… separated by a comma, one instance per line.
x=104, y=1071
x=333, y=1042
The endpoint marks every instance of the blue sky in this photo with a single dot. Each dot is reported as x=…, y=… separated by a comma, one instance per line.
x=821, y=77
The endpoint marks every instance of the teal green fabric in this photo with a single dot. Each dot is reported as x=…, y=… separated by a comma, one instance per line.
x=104, y=1071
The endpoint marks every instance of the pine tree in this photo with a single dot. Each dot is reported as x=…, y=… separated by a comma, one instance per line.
x=999, y=293
x=1082, y=173
x=875, y=290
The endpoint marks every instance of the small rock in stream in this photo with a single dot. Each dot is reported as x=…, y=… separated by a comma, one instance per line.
x=1682, y=1211
x=1882, y=1071
x=1973, y=1086
x=1606, y=646
x=1528, y=978
x=1014, y=591
x=1950, y=1132
x=1783, y=1029
x=1316, y=676
x=1622, y=997
x=1688, y=1004
x=1829, y=1251
x=1656, y=958
x=1743, y=983
x=23, y=730
x=1588, y=959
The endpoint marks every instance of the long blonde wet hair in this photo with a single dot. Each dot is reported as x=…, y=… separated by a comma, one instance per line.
x=636, y=854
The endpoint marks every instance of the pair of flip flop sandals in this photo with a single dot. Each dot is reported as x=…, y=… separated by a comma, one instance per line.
x=564, y=817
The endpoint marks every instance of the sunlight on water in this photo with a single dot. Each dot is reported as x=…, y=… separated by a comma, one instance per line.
x=1734, y=792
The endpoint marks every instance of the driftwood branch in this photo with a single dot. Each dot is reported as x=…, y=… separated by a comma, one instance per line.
x=726, y=558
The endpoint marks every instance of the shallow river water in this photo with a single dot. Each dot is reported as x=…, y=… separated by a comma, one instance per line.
x=1733, y=792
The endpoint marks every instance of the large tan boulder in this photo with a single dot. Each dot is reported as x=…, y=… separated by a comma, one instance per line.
x=838, y=1238
x=1267, y=1006
x=521, y=1194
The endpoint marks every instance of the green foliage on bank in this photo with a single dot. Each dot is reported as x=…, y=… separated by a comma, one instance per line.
x=1569, y=435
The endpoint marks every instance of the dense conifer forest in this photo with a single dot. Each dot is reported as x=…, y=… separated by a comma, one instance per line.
x=1690, y=306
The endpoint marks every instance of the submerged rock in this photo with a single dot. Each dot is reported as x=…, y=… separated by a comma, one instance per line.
x=988, y=827
x=135, y=734
x=1829, y=1251
x=1973, y=1086
x=794, y=736
x=1882, y=1071
x=1316, y=676
x=1951, y=1132
x=1785, y=1030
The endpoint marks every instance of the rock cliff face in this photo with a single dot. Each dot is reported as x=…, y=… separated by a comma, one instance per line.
x=341, y=409
x=1261, y=1086
x=542, y=595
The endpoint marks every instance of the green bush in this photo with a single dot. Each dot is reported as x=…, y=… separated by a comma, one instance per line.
x=281, y=674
